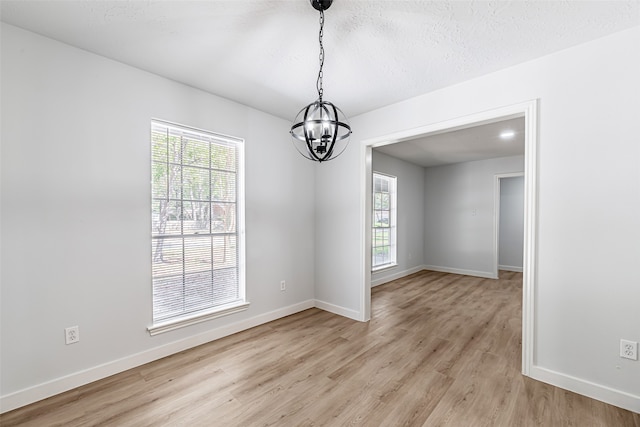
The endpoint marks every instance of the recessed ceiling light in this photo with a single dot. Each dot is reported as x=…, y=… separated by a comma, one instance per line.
x=507, y=134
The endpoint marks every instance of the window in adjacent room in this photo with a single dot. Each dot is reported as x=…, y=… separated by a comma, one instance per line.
x=197, y=225
x=383, y=234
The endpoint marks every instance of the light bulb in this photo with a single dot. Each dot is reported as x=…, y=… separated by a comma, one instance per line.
x=507, y=134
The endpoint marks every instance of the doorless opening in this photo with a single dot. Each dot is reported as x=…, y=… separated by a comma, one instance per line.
x=508, y=226
x=528, y=110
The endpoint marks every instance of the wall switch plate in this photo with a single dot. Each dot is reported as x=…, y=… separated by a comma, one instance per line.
x=629, y=349
x=71, y=335
x=283, y=285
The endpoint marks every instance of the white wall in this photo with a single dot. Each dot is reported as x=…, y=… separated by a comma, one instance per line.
x=410, y=216
x=588, y=215
x=511, y=237
x=76, y=246
x=459, y=215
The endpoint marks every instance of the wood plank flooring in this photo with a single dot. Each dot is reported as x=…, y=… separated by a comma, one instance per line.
x=440, y=350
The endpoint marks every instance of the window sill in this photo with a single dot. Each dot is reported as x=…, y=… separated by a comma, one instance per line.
x=384, y=267
x=173, y=324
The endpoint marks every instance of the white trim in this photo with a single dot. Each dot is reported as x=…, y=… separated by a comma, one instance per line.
x=530, y=254
x=510, y=268
x=382, y=268
x=528, y=109
x=392, y=181
x=496, y=216
x=599, y=392
x=477, y=119
x=77, y=379
x=240, y=304
x=336, y=309
x=366, y=201
x=241, y=225
x=227, y=138
x=199, y=317
x=397, y=275
x=474, y=273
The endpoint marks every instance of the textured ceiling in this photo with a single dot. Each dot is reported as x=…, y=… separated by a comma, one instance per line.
x=265, y=53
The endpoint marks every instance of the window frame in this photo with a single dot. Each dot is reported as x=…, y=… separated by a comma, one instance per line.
x=240, y=303
x=392, y=182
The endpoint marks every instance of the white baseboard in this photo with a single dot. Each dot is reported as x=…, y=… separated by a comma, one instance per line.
x=485, y=274
x=77, y=379
x=510, y=268
x=605, y=394
x=336, y=309
x=390, y=277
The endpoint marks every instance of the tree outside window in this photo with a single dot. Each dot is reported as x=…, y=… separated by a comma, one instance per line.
x=383, y=235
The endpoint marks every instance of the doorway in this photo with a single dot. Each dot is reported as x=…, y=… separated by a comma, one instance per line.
x=508, y=222
x=528, y=110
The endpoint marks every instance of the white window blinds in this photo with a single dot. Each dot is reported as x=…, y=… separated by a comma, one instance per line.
x=196, y=245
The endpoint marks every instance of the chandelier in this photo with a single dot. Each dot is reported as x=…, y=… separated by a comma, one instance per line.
x=320, y=131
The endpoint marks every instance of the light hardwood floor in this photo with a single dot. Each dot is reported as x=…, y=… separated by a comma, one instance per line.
x=440, y=350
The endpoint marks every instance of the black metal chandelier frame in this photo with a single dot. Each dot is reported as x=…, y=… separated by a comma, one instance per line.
x=320, y=126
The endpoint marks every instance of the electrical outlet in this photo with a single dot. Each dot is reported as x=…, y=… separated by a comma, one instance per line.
x=629, y=349
x=283, y=285
x=71, y=335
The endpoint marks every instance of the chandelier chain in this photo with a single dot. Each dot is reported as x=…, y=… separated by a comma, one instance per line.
x=321, y=56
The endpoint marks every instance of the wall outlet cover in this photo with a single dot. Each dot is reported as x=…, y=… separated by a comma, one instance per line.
x=629, y=349
x=71, y=335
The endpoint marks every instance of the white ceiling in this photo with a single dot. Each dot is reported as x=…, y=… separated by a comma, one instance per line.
x=264, y=53
x=464, y=145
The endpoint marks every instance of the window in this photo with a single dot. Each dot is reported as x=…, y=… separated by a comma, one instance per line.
x=197, y=222
x=383, y=235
